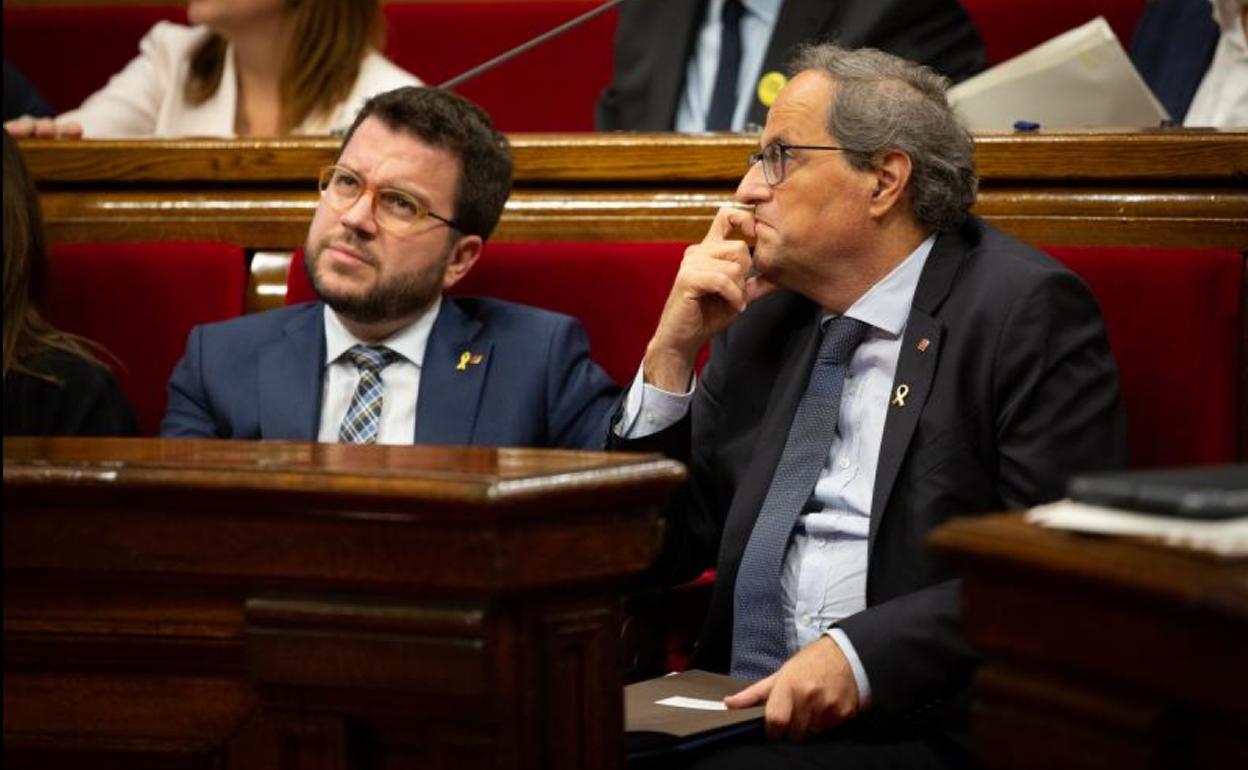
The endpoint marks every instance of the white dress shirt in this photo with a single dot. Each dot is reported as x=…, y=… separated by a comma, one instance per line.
x=824, y=576
x=757, y=23
x=400, y=380
x=147, y=99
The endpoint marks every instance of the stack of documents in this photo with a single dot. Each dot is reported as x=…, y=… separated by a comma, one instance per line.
x=1201, y=508
x=1079, y=79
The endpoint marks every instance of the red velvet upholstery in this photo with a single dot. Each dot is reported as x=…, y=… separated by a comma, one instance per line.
x=69, y=53
x=617, y=290
x=551, y=88
x=140, y=300
x=1010, y=27
x=1172, y=314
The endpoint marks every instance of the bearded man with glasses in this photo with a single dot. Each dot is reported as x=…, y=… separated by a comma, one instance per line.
x=384, y=357
x=881, y=360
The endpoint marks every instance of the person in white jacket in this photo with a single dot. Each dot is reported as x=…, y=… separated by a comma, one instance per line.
x=246, y=68
x=1222, y=99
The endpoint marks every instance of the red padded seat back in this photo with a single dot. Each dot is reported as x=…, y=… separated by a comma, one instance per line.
x=1174, y=317
x=1009, y=27
x=615, y=289
x=140, y=300
x=553, y=87
x=69, y=53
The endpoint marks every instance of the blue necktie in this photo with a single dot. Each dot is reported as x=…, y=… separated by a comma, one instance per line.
x=363, y=418
x=759, y=644
x=724, y=95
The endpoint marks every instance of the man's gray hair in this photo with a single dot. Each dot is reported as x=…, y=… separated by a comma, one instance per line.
x=885, y=103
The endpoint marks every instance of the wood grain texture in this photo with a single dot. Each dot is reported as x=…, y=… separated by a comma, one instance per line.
x=253, y=604
x=1101, y=651
x=1172, y=187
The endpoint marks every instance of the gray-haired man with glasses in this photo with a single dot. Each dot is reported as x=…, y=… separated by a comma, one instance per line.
x=384, y=357
x=881, y=360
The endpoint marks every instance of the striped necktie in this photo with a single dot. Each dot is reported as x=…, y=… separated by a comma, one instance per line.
x=363, y=418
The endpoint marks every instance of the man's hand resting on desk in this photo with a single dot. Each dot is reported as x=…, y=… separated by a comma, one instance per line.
x=713, y=287
x=42, y=128
x=812, y=692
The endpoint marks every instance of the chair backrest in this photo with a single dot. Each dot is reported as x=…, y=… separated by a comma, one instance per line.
x=140, y=300
x=1175, y=317
x=553, y=87
x=1009, y=27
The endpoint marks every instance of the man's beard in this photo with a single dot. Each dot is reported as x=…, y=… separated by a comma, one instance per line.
x=387, y=300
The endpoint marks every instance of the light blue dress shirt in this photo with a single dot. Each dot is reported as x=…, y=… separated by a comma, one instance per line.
x=824, y=578
x=756, y=26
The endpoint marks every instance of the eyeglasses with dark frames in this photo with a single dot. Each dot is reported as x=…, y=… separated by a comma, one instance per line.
x=775, y=155
x=396, y=211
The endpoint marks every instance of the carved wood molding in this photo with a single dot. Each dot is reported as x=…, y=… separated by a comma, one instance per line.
x=1166, y=187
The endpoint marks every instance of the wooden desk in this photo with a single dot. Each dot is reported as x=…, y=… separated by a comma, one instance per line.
x=1102, y=652
x=1160, y=187
x=246, y=604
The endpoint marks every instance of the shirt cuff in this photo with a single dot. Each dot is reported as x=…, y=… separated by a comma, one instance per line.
x=855, y=665
x=648, y=410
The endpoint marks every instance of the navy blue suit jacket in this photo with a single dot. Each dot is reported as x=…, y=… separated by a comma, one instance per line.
x=260, y=377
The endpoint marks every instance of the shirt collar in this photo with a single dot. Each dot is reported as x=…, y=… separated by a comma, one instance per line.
x=409, y=342
x=886, y=305
x=766, y=10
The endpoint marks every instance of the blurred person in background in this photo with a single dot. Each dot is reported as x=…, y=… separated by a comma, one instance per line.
x=53, y=383
x=246, y=68
x=1222, y=98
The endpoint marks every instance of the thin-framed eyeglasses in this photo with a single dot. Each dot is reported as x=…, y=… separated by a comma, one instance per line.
x=396, y=211
x=775, y=155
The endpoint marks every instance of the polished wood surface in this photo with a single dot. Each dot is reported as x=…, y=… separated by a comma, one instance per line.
x=255, y=604
x=1100, y=651
x=1163, y=187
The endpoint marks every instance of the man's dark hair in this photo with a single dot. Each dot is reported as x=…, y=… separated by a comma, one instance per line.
x=447, y=120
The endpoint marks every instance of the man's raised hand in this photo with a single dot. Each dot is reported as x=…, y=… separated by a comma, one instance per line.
x=713, y=286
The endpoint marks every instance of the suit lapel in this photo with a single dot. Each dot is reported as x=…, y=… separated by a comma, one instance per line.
x=684, y=19
x=450, y=381
x=792, y=379
x=797, y=22
x=916, y=365
x=291, y=379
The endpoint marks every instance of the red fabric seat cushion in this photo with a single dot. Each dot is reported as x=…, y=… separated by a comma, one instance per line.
x=140, y=300
x=1173, y=316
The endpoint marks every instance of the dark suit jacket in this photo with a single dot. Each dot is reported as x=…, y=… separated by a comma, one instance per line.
x=1015, y=390
x=85, y=399
x=261, y=377
x=655, y=38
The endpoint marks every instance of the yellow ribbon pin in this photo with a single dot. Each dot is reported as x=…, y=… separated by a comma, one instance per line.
x=899, y=398
x=769, y=86
x=466, y=358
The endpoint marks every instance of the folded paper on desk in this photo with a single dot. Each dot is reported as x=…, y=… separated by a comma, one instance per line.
x=682, y=711
x=1201, y=508
x=1079, y=79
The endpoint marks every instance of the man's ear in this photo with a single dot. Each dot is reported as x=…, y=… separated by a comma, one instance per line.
x=464, y=254
x=892, y=178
